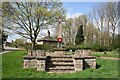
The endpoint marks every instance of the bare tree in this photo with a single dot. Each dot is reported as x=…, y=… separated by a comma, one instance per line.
x=68, y=32
x=112, y=16
x=28, y=18
x=105, y=19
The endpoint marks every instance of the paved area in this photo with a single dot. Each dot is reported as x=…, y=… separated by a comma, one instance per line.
x=8, y=49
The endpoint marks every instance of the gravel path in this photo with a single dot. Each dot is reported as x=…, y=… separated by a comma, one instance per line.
x=110, y=58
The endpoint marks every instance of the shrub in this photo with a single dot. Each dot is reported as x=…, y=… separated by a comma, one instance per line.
x=75, y=47
x=95, y=47
x=101, y=48
x=44, y=47
x=28, y=46
x=71, y=48
x=117, y=50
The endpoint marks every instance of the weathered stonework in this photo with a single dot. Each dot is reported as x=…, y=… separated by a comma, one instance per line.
x=59, y=52
x=77, y=62
x=29, y=62
x=89, y=62
x=41, y=63
x=83, y=52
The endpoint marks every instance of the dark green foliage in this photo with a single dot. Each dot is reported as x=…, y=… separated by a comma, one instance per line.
x=79, y=36
x=44, y=47
x=95, y=47
x=117, y=50
x=101, y=48
x=116, y=42
x=75, y=47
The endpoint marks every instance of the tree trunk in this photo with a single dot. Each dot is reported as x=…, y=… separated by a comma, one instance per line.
x=2, y=45
x=33, y=47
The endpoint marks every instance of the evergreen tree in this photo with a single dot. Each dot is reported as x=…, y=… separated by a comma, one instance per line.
x=79, y=37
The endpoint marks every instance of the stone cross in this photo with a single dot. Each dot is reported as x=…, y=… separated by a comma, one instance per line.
x=59, y=32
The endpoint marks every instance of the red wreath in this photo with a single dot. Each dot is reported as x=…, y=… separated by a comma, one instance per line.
x=59, y=39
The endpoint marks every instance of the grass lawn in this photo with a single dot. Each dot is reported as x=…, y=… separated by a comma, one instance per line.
x=109, y=54
x=12, y=67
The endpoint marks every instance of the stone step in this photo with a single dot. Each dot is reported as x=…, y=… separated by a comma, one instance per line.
x=60, y=68
x=61, y=63
x=60, y=60
x=62, y=56
x=61, y=71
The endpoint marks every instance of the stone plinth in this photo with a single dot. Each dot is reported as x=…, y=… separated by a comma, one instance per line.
x=59, y=51
x=89, y=62
x=41, y=62
x=29, y=62
x=81, y=63
x=78, y=63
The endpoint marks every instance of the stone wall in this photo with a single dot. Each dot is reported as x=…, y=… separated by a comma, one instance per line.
x=81, y=59
x=29, y=62
x=83, y=52
x=36, y=61
x=81, y=63
x=89, y=63
x=78, y=64
x=41, y=62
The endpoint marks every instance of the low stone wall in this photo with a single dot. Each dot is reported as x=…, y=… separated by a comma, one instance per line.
x=81, y=60
x=29, y=62
x=37, y=61
x=83, y=52
x=78, y=64
x=81, y=63
x=41, y=62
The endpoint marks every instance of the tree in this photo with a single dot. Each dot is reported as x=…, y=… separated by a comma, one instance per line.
x=28, y=18
x=79, y=36
x=4, y=38
x=112, y=16
x=106, y=18
x=19, y=42
x=69, y=32
x=71, y=27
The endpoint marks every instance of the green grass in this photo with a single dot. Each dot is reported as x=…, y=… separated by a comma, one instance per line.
x=109, y=54
x=12, y=67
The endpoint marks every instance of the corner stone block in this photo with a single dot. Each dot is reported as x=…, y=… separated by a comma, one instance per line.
x=29, y=62
x=89, y=63
x=41, y=62
x=78, y=64
x=26, y=64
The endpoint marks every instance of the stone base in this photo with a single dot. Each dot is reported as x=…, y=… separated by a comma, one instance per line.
x=34, y=62
x=79, y=62
x=29, y=62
